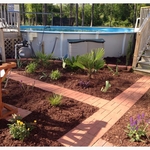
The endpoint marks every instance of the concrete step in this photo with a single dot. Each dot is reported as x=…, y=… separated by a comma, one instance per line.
x=145, y=58
x=147, y=52
x=142, y=71
x=143, y=64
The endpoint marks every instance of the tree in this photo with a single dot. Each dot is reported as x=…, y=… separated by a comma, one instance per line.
x=92, y=14
x=77, y=14
x=60, y=14
x=44, y=16
x=82, y=14
x=70, y=15
x=23, y=14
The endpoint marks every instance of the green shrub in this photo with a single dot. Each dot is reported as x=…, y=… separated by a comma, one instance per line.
x=19, y=129
x=69, y=62
x=91, y=61
x=55, y=100
x=43, y=59
x=31, y=67
x=55, y=75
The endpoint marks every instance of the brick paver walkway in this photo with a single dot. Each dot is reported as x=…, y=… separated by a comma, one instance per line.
x=90, y=131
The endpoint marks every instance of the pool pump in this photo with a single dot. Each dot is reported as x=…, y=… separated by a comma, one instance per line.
x=25, y=51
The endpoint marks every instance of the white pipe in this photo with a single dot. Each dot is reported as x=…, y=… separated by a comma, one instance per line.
x=16, y=49
x=61, y=44
x=123, y=43
x=97, y=35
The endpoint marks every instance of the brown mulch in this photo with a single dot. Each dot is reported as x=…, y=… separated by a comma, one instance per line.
x=117, y=135
x=54, y=122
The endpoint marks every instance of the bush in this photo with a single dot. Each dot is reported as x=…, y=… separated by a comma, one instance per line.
x=55, y=100
x=19, y=129
x=31, y=67
x=55, y=75
x=91, y=61
x=43, y=59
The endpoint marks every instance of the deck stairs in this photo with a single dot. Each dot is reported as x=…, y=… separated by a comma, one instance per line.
x=143, y=59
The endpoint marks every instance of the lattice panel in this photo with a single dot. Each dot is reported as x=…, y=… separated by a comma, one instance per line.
x=10, y=47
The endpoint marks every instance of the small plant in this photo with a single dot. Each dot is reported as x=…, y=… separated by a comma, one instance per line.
x=55, y=75
x=31, y=67
x=136, y=129
x=116, y=71
x=55, y=100
x=84, y=84
x=113, y=72
x=19, y=129
x=19, y=63
x=107, y=86
x=69, y=62
x=43, y=59
x=43, y=76
x=25, y=87
x=15, y=118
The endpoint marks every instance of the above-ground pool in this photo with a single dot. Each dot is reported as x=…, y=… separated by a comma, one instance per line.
x=72, y=40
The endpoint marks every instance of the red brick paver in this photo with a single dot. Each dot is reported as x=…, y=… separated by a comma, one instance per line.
x=90, y=131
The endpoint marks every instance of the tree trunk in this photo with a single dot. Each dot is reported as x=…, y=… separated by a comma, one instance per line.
x=92, y=15
x=44, y=16
x=82, y=14
x=111, y=5
x=70, y=16
x=23, y=14
x=77, y=14
x=134, y=16
x=61, y=14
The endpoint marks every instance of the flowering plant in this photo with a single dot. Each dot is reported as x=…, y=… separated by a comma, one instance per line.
x=19, y=129
x=137, y=128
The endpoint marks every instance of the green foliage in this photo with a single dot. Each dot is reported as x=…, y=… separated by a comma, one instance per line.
x=19, y=129
x=55, y=75
x=137, y=128
x=44, y=75
x=116, y=15
x=107, y=86
x=31, y=67
x=19, y=63
x=55, y=100
x=116, y=71
x=91, y=61
x=43, y=59
x=69, y=62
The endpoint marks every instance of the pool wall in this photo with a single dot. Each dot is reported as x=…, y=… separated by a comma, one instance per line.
x=115, y=44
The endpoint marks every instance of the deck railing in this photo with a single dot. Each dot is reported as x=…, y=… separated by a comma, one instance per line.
x=141, y=38
x=143, y=14
x=9, y=20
